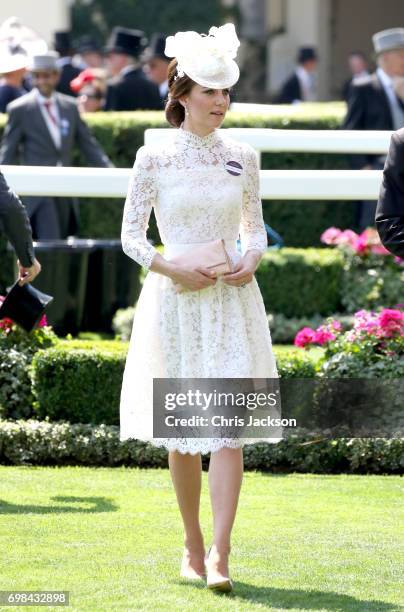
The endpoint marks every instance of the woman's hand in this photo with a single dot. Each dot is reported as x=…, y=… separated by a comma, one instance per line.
x=27, y=275
x=244, y=270
x=193, y=279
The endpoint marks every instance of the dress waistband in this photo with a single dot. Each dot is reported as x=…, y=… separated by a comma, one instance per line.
x=175, y=248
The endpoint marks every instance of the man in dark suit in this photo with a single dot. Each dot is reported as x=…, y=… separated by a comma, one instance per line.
x=42, y=130
x=358, y=67
x=390, y=207
x=129, y=89
x=68, y=71
x=16, y=225
x=156, y=63
x=375, y=103
x=300, y=86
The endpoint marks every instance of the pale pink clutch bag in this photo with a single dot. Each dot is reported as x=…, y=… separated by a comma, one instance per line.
x=212, y=255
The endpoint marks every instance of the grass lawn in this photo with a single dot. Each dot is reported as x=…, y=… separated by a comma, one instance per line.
x=113, y=538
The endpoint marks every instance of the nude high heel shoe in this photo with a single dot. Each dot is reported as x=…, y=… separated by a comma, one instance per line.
x=219, y=586
x=190, y=575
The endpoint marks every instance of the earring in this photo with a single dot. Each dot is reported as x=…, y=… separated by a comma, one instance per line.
x=186, y=111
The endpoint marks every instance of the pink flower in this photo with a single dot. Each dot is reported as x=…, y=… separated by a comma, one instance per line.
x=304, y=336
x=43, y=322
x=330, y=235
x=361, y=245
x=371, y=235
x=365, y=321
x=6, y=324
x=348, y=237
x=322, y=336
x=379, y=249
x=391, y=322
x=399, y=260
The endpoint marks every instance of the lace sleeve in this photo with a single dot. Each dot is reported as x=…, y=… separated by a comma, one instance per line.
x=252, y=229
x=138, y=205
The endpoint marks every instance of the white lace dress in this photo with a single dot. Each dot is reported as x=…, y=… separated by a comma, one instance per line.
x=202, y=189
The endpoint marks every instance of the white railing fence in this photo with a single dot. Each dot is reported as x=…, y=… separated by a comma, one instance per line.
x=274, y=184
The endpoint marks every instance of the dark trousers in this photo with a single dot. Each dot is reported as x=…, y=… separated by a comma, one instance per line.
x=44, y=218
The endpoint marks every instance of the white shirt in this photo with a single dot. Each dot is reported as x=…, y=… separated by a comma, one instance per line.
x=129, y=68
x=388, y=84
x=54, y=130
x=307, y=82
x=396, y=110
x=163, y=87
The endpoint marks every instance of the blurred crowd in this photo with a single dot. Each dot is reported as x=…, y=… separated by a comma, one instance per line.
x=128, y=73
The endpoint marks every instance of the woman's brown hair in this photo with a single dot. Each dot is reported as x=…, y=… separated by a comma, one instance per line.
x=181, y=86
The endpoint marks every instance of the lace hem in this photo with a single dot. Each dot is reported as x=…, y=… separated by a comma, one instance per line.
x=205, y=445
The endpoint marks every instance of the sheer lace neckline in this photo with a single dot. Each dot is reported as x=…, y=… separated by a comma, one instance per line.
x=194, y=139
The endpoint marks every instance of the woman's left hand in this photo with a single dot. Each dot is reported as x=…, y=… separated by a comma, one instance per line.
x=244, y=270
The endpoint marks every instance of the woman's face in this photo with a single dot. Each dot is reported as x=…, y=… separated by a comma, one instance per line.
x=90, y=99
x=207, y=107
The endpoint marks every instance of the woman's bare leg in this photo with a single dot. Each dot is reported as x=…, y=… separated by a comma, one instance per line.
x=225, y=477
x=186, y=474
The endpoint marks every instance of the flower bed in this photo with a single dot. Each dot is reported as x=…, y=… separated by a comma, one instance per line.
x=373, y=277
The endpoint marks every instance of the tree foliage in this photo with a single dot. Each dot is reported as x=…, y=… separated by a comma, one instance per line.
x=98, y=17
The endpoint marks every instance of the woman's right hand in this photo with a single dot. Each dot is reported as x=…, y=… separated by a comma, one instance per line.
x=193, y=279
x=27, y=274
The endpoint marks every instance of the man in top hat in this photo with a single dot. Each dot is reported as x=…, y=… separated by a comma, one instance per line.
x=156, y=63
x=90, y=52
x=129, y=89
x=376, y=102
x=43, y=128
x=68, y=71
x=16, y=225
x=301, y=85
x=390, y=207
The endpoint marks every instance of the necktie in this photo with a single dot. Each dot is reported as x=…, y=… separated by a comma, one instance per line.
x=47, y=105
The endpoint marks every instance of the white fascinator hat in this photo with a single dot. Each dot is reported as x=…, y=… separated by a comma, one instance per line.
x=206, y=59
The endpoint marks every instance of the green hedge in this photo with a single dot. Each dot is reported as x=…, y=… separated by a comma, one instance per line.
x=81, y=381
x=301, y=282
x=44, y=443
x=121, y=134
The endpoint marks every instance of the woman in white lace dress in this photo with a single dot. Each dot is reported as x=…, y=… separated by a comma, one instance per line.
x=202, y=186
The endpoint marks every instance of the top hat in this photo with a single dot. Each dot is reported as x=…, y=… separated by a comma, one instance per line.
x=47, y=61
x=306, y=54
x=25, y=305
x=388, y=40
x=156, y=47
x=124, y=40
x=88, y=43
x=62, y=42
